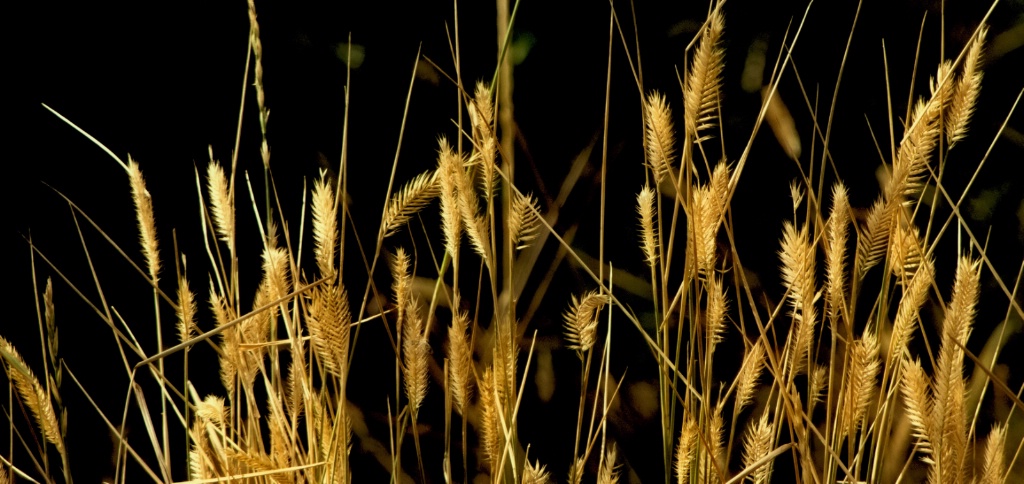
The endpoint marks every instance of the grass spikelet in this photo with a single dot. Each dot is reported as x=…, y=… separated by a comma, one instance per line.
x=294, y=393
x=717, y=308
x=325, y=226
x=968, y=86
x=703, y=228
x=948, y=412
x=860, y=382
x=609, y=473
x=908, y=311
x=905, y=252
x=648, y=234
x=186, y=311
x=686, y=447
x=919, y=140
x=413, y=197
x=797, y=256
x=490, y=426
x=401, y=284
x=481, y=117
x=523, y=223
x=750, y=372
x=818, y=382
x=917, y=396
x=147, y=223
x=416, y=350
x=275, y=273
x=757, y=443
x=704, y=79
x=661, y=136
x=576, y=470
x=33, y=394
x=329, y=322
x=221, y=204
x=835, y=252
x=451, y=220
x=461, y=357
x=873, y=238
x=474, y=223
x=581, y=321
x=535, y=473
x=229, y=350
x=993, y=466
x=482, y=109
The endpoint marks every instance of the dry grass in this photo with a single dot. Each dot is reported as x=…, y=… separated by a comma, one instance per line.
x=852, y=371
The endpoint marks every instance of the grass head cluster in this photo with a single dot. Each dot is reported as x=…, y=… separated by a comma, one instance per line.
x=426, y=352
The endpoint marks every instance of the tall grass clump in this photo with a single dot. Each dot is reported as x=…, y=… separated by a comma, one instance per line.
x=471, y=323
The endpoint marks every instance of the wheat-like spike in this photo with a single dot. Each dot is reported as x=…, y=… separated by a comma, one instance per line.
x=482, y=108
x=33, y=394
x=648, y=233
x=685, y=449
x=490, y=426
x=474, y=223
x=147, y=222
x=329, y=323
x=713, y=456
x=186, y=311
x=201, y=461
x=949, y=412
x=860, y=382
x=460, y=356
x=414, y=195
x=296, y=375
x=4, y=478
x=818, y=382
x=506, y=352
x=916, y=394
x=229, y=349
x=254, y=331
x=524, y=222
x=993, y=465
x=704, y=79
x=256, y=462
x=835, y=252
x=221, y=204
x=704, y=228
x=750, y=372
x=905, y=252
x=535, y=473
x=481, y=116
x=966, y=92
x=717, y=307
x=275, y=272
x=401, y=284
x=416, y=350
x=277, y=424
x=757, y=443
x=873, y=238
x=576, y=470
x=919, y=140
x=581, y=321
x=908, y=311
x=661, y=136
x=797, y=256
x=325, y=226
x=451, y=219
x=52, y=343
x=609, y=472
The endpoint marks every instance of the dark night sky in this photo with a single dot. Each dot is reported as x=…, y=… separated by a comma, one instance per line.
x=162, y=81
